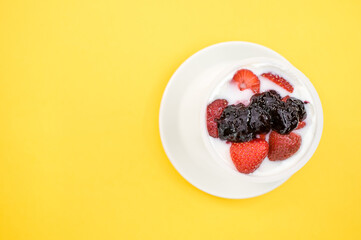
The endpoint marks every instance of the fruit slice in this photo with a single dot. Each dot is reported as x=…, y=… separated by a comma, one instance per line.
x=282, y=147
x=284, y=99
x=300, y=125
x=214, y=111
x=246, y=79
x=248, y=156
x=280, y=81
x=262, y=136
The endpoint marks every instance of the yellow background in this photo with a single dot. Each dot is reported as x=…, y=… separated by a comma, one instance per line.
x=80, y=89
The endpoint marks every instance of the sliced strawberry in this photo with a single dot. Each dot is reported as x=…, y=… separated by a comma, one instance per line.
x=214, y=111
x=282, y=147
x=246, y=79
x=248, y=156
x=262, y=136
x=284, y=99
x=301, y=125
x=280, y=81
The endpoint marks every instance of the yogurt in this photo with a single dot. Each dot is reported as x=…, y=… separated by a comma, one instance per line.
x=226, y=89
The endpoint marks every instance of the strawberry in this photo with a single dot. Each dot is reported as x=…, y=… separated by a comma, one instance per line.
x=248, y=156
x=282, y=147
x=214, y=111
x=280, y=81
x=262, y=136
x=301, y=125
x=247, y=80
x=284, y=99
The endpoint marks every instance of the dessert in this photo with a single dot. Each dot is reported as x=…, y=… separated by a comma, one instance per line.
x=257, y=118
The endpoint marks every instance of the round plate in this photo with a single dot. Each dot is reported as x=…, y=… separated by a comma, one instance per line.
x=179, y=121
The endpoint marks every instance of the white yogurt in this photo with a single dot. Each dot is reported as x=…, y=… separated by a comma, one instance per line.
x=226, y=89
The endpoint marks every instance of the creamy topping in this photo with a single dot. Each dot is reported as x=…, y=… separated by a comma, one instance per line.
x=226, y=89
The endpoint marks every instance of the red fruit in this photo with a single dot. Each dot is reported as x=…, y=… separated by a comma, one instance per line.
x=282, y=147
x=262, y=136
x=247, y=80
x=284, y=99
x=248, y=156
x=301, y=125
x=214, y=111
x=280, y=81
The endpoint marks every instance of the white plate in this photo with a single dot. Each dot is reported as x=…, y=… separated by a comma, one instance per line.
x=179, y=120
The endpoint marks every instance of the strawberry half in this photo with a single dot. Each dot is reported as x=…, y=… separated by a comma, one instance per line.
x=248, y=156
x=246, y=79
x=214, y=111
x=300, y=125
x=282, y=147
x=280, y=81
x=262, y=136
x=284, y=99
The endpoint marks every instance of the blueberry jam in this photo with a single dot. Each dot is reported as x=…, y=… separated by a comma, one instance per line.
x=266, y=111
